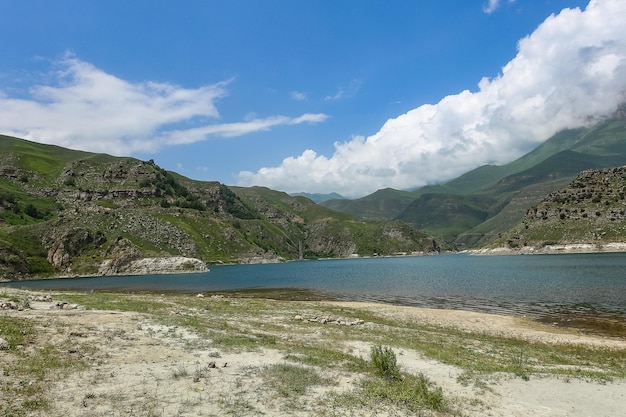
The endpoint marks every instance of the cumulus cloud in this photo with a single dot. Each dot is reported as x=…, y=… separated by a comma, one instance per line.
x=568, y=73
x=86, y=108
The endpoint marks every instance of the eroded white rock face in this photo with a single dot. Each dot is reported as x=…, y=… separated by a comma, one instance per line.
x=167, y=265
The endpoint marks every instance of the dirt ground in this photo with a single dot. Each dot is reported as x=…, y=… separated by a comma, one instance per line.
x=138, y=367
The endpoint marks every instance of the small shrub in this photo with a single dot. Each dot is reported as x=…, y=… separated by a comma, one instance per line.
x=180, y=372
x=385, y=363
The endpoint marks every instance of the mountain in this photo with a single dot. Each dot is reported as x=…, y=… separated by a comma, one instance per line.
x=480, y=205
x=319, y=198
x=384, y=204
x=65, y=212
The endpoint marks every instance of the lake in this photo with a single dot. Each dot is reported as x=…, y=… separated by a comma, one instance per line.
x=533, y=285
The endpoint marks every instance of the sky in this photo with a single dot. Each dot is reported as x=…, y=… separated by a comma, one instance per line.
x=318, y=96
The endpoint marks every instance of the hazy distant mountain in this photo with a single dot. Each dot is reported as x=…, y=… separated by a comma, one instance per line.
x=319, y=198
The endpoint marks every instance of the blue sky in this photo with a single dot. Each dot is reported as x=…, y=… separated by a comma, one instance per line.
x=317, y=96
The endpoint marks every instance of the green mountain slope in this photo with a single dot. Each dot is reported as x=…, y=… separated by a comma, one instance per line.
x=319, y=198
x=447, y=215
x=70, y=212
x=504, y=192
x=384, y=204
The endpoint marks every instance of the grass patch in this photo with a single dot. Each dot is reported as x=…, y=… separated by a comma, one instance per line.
x=27, y=373
x=483, y=353
x=412, y=392
x=148, y=304
x=180, y=372
x=243, y=342
x=327, y=357
x=16, y=331
x=291, y=380
x=390, y=387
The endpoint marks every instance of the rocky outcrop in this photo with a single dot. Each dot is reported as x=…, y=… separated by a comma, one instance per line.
x=120, y=255
x=593, y=194
x=588, y=215
x=148, y=266
x=340, y=243
x=72, y=243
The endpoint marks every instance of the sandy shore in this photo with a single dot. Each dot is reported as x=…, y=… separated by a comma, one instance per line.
x=137, y=365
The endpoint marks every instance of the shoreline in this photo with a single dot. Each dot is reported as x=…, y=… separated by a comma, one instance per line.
x=572, y=248
x=171, y=265
x=585, y=319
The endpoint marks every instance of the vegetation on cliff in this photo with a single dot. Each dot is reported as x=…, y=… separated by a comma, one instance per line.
x=67, y=212
x=591, y=210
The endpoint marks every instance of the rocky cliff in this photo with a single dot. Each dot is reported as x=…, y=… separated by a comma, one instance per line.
x=590, y=211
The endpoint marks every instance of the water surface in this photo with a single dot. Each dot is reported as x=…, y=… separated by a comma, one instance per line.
x=535, y=285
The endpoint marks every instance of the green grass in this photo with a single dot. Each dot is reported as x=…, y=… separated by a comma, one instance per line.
x=15, y=330
x=326, y=356
x=152, y=305
x=411, y=392
x=291, y=380
x=489, y=354
x=388, y=386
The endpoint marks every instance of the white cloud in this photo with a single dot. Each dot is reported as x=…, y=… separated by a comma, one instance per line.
x=86, y=108
x=491, y=5
x=298, y=96
x=569, y=72
x=343, y=93
x=186, y=136
x=337, y=96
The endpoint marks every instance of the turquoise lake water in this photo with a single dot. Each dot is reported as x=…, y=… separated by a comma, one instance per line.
x=532, y=285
